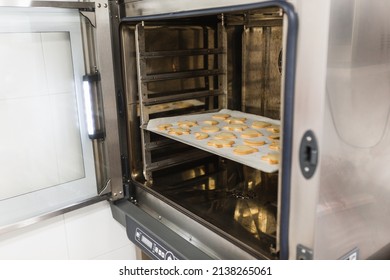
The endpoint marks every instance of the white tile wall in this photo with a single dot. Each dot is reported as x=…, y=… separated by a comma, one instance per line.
x=86, y=233
x=47, y=159
x=22, y=68
x=38, y=113
x=68, y=147
x=27, y=147
x=56, y=49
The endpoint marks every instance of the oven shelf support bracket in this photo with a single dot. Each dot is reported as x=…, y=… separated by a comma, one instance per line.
x=142, y=88
x=214, y=92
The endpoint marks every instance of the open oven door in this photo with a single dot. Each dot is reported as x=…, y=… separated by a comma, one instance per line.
x=60, y=144
x=170, y=224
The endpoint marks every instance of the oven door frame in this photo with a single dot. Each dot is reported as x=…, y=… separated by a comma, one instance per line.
x=157, y=208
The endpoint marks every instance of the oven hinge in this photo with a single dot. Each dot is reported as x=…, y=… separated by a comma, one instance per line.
x=304, y=253
x=121, y=104
x=125, y=167
x=128, y=187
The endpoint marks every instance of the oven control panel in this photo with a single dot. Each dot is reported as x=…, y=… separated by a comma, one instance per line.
x=154, y=238
x=152, y=246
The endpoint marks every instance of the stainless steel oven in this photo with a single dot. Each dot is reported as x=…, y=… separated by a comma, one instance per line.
x=241, y=130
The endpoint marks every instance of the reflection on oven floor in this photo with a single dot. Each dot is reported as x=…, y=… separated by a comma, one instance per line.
x=237, y=200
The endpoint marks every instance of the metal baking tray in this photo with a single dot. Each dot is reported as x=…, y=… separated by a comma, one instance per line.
x=253, y=160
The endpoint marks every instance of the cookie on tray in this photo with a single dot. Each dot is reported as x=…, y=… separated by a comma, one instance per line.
x=235, y=127
x=187, y=123
x=260, y=124
x=164, y=126
x=211, y=122
x=178, y=131
x=221, y=116
x=254, y=142
x=182, y=104
x=244, y=150
x=275, y=145
x=274, y=136
x=271, y=158
x=201, y=135
x=234, y=120
x=220, y=143
x=210, y=128
x=225, y=136
x=273, y=129
x=250, y=133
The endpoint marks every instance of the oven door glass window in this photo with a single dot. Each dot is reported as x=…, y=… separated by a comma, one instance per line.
x=46, y=157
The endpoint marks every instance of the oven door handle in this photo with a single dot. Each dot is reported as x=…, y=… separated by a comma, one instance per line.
x=93, y=106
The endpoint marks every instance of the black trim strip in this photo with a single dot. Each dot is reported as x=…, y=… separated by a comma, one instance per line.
x=288, y=128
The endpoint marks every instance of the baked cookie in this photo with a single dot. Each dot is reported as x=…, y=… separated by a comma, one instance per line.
x=235, y=127
x=273, y=129
x=181, y=104
x=250, y=133
x=275, y=145
x=233, y=120
x=164, y=126
x=244, y=150
x=201, y=135
x=211, y=122
x=225, y=136
x=260, y=124
x=274, y=136
x=178, y=131
x=187, y=123
x=221, y=116
x=210, y=128
x=220, y=143
x=251, y=142
x=159, y=107
x=271, y=158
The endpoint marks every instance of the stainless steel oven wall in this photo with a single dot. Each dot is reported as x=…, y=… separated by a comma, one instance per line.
x=353, y=208
x=150, y=7
x=262, y=45
x=310, y=80
x=342, y=95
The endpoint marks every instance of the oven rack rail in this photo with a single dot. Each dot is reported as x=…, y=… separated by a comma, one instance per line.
x=185, y=95
x=213, y=95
